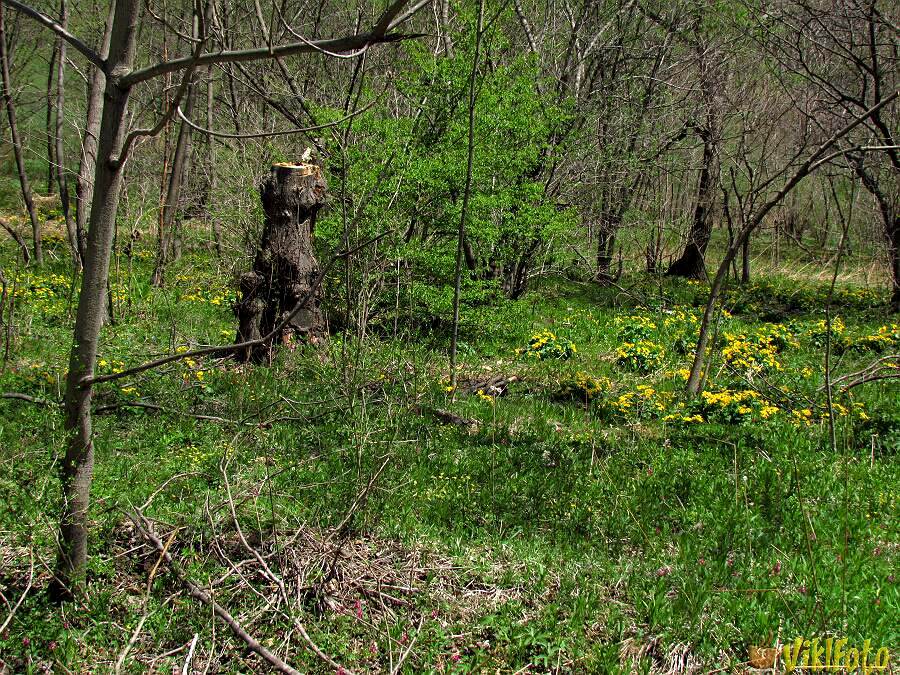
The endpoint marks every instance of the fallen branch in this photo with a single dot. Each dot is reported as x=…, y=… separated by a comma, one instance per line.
x=409, y=647
x=360, y=499
x=447, y=417
x=493, y=386
x=276, y=579
x=112, y=407
x=12, y=612
x=145, y=605
x=25, y=397
x=143, y=526
x=186, y=669
x=885, y=368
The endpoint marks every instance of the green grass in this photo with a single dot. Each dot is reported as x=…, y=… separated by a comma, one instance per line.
x=589, y=517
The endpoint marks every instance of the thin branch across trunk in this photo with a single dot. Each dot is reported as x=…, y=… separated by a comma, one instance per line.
x=461, y=241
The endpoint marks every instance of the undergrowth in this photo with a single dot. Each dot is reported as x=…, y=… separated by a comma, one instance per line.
x=586, y=516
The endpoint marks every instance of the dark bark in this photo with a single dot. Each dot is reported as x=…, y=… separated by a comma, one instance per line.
x=285, y=268
x=606, y=244
x=894, y=252
x=890, y=220
x=516, y=283
x=692, y=263
x=51, y=147
x=745, y=260
x=17, y=143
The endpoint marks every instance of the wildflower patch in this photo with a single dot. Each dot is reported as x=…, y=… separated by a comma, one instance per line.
x=641, y=357
x=547, y=345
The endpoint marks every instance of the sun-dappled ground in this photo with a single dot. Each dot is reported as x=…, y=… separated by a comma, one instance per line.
x=565, y=508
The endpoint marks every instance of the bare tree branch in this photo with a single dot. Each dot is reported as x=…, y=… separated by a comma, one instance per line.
x=26, y=256
x=25, y=397
x=175, y=105
x=268, y=134
x=45, y=20
x=378, y=35
x=143, y=526
x=12, y=612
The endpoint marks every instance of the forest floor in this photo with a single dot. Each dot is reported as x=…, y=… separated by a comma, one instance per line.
x=565, y=509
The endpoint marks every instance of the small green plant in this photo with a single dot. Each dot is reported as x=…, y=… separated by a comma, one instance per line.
x=818, y=332
x=635, y=328
x=641, y=357
x=885, y=338
x=583, y=386
x=547, y=345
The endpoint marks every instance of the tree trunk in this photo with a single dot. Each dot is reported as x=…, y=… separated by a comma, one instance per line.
x=606, y=243
x=76, y=469
x=61, y=177
x=84, y=186
x=17, y=143
x=51, y=148
x=890, y=220
x=745, y=261
x=692, y=263
x=894, y=252
x=285, y=268
x=211, y=185
x=445, y=29
x=168, y=248
x=169, y=243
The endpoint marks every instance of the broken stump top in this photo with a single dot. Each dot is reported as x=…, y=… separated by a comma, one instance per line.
x=289, y=187
x=302, y=169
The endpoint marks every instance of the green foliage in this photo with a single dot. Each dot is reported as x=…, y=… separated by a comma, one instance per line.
x=409, y=176
x=642, y=356
x=547, y=345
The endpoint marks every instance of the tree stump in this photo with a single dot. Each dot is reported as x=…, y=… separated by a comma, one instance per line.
x=285, y=269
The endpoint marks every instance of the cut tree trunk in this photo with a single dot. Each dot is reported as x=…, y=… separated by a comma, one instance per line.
x=285, y=269
x=692, y=263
